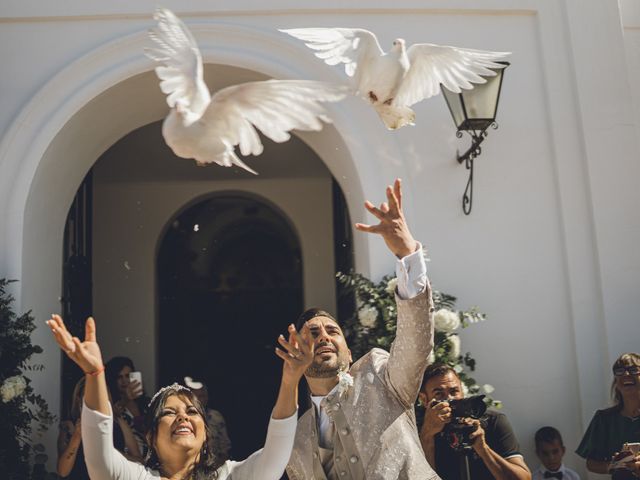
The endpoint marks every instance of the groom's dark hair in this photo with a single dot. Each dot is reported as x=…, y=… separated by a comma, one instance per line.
x=310, y=313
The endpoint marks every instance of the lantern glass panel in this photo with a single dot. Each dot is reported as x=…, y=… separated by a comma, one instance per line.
x=481, y=102
x=454, y=101
x=476, y=109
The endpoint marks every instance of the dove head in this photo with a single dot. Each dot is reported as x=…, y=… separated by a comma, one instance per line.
x=398, y=44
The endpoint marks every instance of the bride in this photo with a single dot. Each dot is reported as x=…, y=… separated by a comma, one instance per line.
x=178, y=436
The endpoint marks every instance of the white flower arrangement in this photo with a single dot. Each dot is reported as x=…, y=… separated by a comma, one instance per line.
x=391, y=286
x=488, y=389
x=473, y=316
x=446, y=321
x=368, y=315
x=12, y=387
x=454, y=345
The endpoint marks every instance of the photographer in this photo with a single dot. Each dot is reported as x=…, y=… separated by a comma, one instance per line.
x=495, y=448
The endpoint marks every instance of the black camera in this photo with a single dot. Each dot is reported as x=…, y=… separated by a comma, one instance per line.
x=457, y=431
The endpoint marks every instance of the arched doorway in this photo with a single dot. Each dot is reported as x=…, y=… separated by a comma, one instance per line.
x=229, y=278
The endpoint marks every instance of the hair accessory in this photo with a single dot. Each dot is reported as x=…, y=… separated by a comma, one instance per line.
x=174, y=386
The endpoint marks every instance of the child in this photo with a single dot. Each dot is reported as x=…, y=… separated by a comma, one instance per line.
x=550, y=450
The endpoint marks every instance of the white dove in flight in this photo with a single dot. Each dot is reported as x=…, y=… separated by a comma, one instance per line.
x=207, y=128
x=394, y=81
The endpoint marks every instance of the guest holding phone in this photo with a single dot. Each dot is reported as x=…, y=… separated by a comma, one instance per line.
x=127, y=397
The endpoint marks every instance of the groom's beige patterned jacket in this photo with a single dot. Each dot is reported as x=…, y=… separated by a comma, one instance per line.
x=375, y=435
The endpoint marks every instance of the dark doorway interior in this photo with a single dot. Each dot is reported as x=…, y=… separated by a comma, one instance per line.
x=229, y=282
x=343, y=251
x=76, y=299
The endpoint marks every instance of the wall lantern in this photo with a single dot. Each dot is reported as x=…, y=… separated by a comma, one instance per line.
x=474, y=111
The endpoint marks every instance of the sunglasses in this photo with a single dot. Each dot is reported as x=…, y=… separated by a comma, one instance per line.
x=632, y=370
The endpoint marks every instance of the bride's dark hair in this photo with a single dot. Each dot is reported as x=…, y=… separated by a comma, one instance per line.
x=207, y=465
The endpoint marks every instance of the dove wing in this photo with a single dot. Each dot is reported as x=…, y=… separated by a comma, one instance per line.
x=275, y=107
x=351, y=46
x=455, y=68
x=180, y=72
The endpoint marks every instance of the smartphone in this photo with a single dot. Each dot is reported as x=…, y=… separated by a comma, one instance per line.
x=136, y=376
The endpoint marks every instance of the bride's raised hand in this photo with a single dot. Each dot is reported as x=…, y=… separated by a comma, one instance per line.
x=297, y=354
x=86, y=354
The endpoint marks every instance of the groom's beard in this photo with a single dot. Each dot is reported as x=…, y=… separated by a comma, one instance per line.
x=327, y=369
x=322, y=371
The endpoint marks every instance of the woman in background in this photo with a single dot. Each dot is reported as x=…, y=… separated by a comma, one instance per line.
x=71, y=463
x=612, y=427
x=70, y=456
x=127, y=397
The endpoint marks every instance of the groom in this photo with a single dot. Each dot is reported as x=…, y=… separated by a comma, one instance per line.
x=361, y=424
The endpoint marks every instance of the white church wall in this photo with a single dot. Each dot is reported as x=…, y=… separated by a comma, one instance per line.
x=607, y=120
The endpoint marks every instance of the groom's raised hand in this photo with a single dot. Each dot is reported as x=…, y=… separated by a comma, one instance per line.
x=392, y=227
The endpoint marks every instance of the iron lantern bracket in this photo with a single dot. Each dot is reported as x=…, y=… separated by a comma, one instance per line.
x=477, y=137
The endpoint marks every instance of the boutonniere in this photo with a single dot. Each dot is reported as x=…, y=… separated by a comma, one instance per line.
x=345, y=380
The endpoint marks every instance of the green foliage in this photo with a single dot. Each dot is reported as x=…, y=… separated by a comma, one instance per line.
x=373, y=324
x=21, y=409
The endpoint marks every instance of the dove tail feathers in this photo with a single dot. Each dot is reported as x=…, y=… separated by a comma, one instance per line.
x=395, y=117
x=227, y=159
x=235, y=160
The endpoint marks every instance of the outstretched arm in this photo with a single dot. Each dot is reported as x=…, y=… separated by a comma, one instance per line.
x=270, y=462
x=414, y=334
x=102, y=459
